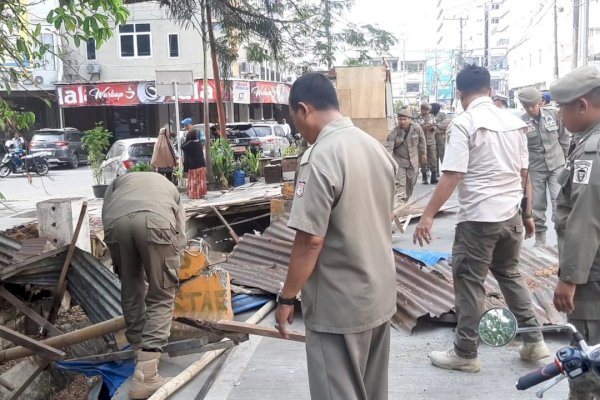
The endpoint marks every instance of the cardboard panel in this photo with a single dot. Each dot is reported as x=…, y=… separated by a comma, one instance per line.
x=378, y=128
x=367, y=88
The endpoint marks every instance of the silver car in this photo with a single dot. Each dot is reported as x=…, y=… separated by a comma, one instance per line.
x=124, y=154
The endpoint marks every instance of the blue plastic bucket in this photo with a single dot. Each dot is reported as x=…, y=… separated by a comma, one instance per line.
x=239, y=178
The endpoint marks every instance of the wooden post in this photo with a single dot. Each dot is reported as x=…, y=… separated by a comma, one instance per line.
x=62, y=284
x=224, y=221
x=32, y=315
x=31, y=344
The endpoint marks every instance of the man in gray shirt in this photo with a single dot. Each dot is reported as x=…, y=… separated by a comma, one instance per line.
x=342, y=256
x=548, y=144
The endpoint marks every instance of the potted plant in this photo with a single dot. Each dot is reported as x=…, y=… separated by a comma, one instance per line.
x=95, y=142
x=251, y=165
x=223, y=162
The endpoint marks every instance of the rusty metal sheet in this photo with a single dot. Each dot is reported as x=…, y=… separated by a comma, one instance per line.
x=8, y=249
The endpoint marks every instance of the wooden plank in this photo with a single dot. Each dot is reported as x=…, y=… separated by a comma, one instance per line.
x=214, y=334
x=406, y=223
x=7, y=384
x=107, y=357
x=25, y=341
x=31, y=378
x=22, y=307
x=224, y=221
x=252, y=329
x=226, y=344
x=62, y=284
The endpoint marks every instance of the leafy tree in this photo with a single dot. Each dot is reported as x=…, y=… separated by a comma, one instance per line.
x=22, y=48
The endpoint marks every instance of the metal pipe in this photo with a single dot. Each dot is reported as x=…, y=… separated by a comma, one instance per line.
x=68, y=339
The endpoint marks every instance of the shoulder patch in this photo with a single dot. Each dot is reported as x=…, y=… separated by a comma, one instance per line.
x=583, y=169
x=300, y=188
x=592, y=145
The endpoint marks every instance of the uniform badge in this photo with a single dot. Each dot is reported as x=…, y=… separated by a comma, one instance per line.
x=582, y=170
x=300, y=188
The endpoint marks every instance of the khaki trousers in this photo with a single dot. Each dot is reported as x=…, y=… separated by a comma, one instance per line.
x=431, y=159
x=142, y=246
x=480, y=247
x=348, y=367
x=405, y=182
x=543, y=182
x=586, y=387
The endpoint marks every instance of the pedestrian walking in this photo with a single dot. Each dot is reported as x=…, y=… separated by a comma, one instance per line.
x=427, y=122
x=486, y=158
x=144, y=226
x=194, y=164
x=441, y=124
x=405, y=142
x=164, y=159
x=548, y=144
x=346, y=274
x=577, y=220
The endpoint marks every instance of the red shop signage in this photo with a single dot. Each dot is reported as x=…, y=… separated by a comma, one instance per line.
x=269, y=92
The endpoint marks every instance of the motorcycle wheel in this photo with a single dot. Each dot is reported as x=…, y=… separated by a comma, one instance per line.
x=42, y=168
x=4, y=171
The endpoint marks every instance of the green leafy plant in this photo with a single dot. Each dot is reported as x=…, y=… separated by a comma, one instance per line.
x=223, y=161
x=141, y=167
x=250, y=164
x=293, y=150
x=95, y=142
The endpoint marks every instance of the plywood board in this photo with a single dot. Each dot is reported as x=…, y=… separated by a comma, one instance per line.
x=367, y=86
x=376, y=127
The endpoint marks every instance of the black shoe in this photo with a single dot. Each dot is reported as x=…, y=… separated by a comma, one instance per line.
x=434, y=180
x=425, y=182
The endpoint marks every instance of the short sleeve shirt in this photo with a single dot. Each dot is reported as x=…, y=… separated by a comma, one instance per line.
x=489, y=146
x=345, y=194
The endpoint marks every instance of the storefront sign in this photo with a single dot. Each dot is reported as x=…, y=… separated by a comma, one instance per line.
x=241, y=92
x=134, y=93
x=269, y=92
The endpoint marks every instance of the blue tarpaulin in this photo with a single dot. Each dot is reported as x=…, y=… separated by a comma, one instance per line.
x=245, y=302
x=114, y=373
x=427, y=257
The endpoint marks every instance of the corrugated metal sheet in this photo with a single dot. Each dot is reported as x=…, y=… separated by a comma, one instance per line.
x=8, y=248
x=30, y=248
x=91, y=284
x=261, y=262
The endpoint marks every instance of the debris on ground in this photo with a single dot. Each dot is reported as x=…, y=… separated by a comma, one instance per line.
x=77, y=389
x=23, y=232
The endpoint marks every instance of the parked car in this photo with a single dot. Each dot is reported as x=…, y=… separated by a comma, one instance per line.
x=63, y=145
x=124, y=154
x=272, y=138
x=242, y=137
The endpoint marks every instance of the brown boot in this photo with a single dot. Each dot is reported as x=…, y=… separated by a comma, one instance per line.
x=145, y=379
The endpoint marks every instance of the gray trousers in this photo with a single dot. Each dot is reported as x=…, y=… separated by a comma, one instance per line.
x=586, y=387
x=542, y=183
x=432, y=161
x=405, y=182
x=348, y=367
x=480, y=247
x=141, y=251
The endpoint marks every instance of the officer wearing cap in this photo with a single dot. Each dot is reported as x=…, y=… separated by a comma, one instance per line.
x=577, y=220
x=406, y=142
x=428, y=158
x=548, y=144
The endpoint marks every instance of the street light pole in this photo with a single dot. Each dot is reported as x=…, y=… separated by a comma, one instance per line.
x=403, y=72
x=555, y=41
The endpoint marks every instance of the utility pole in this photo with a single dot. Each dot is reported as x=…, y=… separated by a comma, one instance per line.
x=461, y=21
x=575, y=34
x=585, y=30
x=404, y=72
x=555, y=41
x=486, y=37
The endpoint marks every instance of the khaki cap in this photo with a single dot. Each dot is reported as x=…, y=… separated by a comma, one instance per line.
x=405, y=113
x=530, y=96
x=575, y=84
x=426, y=105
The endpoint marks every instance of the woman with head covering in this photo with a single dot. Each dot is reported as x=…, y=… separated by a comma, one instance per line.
x=195, y=165
x=163, y=157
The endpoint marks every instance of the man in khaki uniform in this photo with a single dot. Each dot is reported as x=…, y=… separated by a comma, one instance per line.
x=548, y=144
x=346, y=275
x=144, y=226
x=486, y=158
x=405, y=142
x=577, y=220
x=429, y=162
x=440, y=126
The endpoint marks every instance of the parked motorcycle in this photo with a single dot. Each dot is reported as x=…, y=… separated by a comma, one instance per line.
x=37, y=163
x=498, y=326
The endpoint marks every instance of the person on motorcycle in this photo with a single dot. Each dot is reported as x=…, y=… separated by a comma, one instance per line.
x=577, y=221
x=16, y=151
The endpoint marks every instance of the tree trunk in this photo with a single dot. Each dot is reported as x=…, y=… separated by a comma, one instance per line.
x=215, y=64
x=207, y=133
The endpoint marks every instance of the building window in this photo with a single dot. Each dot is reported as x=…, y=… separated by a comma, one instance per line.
x=495, y=6
x=495, y=20
x=91, y=49
x=414, y=66
x=393, y=64
x=135, y=40
x=173, y=45
x=412, y=87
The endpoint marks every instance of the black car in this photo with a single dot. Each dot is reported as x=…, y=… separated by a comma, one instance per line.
x=63, y=145
x=242, y=137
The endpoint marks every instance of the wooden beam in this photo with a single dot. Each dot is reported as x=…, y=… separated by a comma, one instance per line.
x=32, y=315
x=224, y=221
x=252, y=329
x=62, y=281
x=225, y=344
x=25, y=341
x=28, y=381
x=7, y=384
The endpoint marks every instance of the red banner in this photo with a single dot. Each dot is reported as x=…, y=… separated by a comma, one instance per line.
x=134, y=93
x=269, y=92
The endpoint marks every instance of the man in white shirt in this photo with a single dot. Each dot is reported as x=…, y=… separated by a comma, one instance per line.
x=487, y=159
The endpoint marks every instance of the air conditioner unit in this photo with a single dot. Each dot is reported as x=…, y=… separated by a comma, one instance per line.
x=39, y=80
x=243, y=67
x=93, y=68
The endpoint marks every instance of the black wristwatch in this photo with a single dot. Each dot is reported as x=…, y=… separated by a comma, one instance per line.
x=283, y=300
